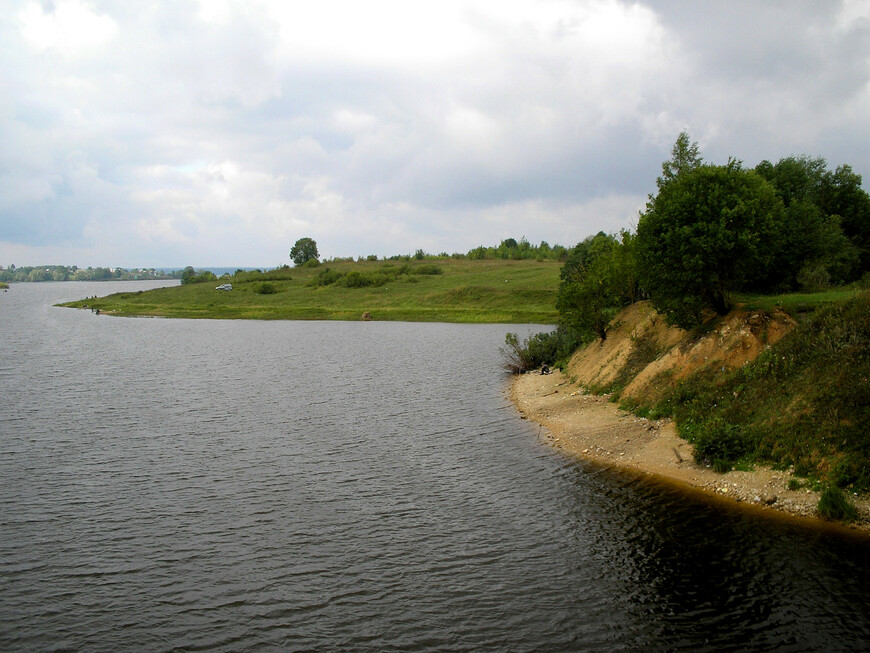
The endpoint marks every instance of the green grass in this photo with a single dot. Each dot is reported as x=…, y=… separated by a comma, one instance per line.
x=833, y=504
x=803, y=403
x=798, y=305
x=472, y=291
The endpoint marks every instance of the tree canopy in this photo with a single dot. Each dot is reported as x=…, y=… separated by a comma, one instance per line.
x=304, y=250
x=819, y=244
x=189, y=275
x=708, y=231
x=598, y=278
x=685, y=156
x=714, y=230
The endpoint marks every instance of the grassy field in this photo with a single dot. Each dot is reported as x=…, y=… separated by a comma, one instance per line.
x=462, y=290
x=797, y=304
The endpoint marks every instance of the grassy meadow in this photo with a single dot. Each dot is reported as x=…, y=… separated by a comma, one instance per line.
x=430, y=290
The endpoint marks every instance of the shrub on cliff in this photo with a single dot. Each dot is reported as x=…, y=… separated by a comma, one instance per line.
x=552, y=348
x=598, y=278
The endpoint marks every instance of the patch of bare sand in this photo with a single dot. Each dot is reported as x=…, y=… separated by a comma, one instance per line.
x=590, y=427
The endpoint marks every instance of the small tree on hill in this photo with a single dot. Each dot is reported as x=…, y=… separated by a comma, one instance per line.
x=597, y=280
x=685, y=157
x=304, y=250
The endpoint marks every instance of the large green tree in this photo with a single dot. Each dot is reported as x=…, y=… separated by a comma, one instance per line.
x=814, y=245
x=843, y=195
x=597, y=279
x=709, y=230
x=304, y=250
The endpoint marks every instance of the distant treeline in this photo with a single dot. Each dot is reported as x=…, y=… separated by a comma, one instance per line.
x=510, y=249
x=515, y=250
x=75, y=273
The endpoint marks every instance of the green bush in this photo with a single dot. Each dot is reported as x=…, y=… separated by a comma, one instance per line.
x=378, y=279
x=265, y=288
x=834, y=504
x=555, y=347
x=720, y=443
x=357, y=279
x=552, y=348
x=516, y=354
x=326, y=277
x=354, y=279
x=426, y=269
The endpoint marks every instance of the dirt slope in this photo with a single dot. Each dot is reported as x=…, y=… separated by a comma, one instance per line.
x=670, y=352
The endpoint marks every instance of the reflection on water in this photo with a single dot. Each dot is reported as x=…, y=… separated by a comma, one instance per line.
x=232, y=485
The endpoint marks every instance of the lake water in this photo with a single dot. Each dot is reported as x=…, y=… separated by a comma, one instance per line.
x=180, y=485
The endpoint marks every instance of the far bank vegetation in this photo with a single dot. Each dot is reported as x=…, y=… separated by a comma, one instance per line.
x=519, y=288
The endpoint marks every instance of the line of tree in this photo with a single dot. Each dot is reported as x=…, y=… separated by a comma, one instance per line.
x=714, y=230
x=74, y=273
x=517, y=250
x=304, y=252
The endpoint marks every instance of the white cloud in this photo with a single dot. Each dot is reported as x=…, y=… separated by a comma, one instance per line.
x=219, y=131
x=71, y=28
x=379, y=32
x=854, y=13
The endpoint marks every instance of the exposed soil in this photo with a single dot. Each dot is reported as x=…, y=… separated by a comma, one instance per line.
x=736, y=339
x=590, y=427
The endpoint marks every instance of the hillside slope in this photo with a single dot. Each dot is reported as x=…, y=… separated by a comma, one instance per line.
x=436, y=290
x=751, y=387
x=641, y=350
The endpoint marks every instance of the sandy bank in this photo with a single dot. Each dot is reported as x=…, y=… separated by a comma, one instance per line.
x=590, y=427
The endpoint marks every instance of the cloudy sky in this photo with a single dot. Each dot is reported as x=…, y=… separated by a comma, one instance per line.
x=217, y=132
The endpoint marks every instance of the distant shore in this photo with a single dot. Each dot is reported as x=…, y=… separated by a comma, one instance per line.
x=589, y=427
x=428, y=290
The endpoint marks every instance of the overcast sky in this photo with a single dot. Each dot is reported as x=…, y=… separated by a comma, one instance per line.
x=216, y=132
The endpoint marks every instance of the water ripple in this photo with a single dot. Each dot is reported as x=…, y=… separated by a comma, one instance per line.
x=225, y=486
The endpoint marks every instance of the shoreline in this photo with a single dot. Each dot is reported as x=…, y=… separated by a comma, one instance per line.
x=590, y=428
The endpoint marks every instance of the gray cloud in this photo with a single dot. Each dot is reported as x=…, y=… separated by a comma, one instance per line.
x=218, y=132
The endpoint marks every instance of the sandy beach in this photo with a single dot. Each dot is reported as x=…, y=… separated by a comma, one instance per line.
x=590, y=427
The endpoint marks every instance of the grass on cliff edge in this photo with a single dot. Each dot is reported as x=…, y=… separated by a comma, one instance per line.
x=482, y=291
x=802, y=404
